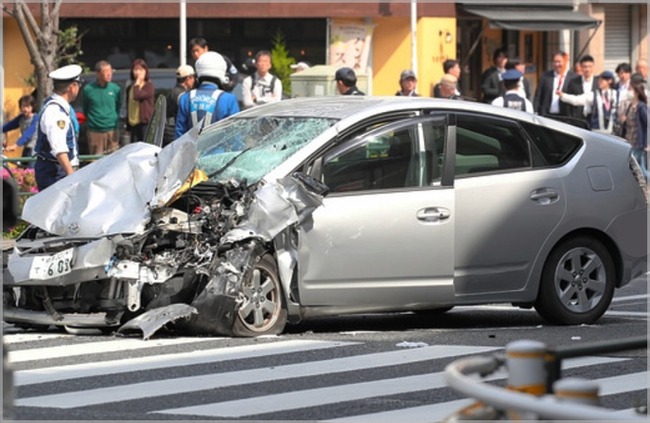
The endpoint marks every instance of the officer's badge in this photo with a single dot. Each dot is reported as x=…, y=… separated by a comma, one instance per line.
x=60, y=124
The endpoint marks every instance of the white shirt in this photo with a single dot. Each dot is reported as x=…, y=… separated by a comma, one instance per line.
x=558, y=82
x=622, y=91
x=55, y=124
x=263, y=91
x=588, y=89
x=585, y=99
x=521, y=90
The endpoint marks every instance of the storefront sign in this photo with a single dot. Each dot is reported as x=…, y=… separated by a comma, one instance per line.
x=350, y=45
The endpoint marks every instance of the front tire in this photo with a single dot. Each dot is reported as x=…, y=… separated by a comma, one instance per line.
x=577, y=282
x=263, y=311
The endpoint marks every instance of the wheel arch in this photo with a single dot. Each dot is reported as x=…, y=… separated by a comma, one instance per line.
x=288, y=283
x=592, y=233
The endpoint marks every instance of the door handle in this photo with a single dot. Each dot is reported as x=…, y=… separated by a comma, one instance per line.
x=433, y=214
x=544, y=196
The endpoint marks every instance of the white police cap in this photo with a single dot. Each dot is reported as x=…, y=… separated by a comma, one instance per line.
x=66, y=73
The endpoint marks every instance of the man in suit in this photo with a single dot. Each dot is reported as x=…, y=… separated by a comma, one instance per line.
x=586, y=84
x=491, y=78
x=547, y=100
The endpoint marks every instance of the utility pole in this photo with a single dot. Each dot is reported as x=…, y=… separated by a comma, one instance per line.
x=414, y=42
x=182, y=48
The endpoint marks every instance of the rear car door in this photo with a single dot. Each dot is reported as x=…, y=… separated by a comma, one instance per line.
x=506, y=206
x=384, y=235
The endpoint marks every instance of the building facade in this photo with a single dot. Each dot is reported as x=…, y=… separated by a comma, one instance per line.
x=468, y=31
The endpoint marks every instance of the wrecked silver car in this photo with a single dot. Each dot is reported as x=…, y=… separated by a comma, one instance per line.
x=321, y=206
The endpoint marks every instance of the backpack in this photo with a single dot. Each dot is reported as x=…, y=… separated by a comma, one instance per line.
x=254, y=77
x=231, y=73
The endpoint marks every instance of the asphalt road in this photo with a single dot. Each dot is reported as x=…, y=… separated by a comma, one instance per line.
x=368, y=368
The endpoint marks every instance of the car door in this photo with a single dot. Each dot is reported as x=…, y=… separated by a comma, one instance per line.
x=505, y=207
x=384, y=236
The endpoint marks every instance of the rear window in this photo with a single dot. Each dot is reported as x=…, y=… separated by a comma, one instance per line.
x=555, y=147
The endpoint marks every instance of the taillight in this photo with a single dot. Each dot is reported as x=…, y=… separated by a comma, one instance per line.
x=638, y=174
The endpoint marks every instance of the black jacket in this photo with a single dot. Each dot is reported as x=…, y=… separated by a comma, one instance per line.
x=353, y=91
x=545, y=90
x=491, y=86
x=575, y=88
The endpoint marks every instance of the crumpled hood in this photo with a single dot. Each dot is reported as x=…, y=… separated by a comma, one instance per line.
x=116, y=193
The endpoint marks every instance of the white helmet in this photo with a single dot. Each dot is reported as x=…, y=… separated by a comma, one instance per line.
x=211, y=64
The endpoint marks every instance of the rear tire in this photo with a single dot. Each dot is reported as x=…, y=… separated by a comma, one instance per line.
x=577, y=284
x=263, y=311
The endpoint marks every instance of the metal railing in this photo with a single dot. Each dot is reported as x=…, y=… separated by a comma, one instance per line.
x=535, y=388
x=20, y=160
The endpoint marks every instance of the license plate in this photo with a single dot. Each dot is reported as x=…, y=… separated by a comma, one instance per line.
x=48, y=267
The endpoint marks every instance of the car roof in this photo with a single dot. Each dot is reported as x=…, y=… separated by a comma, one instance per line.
x=350, y=109
x=341, y=107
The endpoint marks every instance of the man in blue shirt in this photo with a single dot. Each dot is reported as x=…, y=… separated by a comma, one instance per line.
x=209, y=101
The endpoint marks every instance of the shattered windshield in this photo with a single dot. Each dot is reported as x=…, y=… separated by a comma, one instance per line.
x=250, y=148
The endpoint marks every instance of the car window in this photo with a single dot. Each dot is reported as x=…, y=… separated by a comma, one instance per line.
x=390, y=157
x=555, y=147
x=485, y=144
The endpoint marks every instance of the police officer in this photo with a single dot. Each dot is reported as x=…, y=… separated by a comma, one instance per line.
x=512, y=98
x=56, y=143
x=209, y=101
x=346, y=82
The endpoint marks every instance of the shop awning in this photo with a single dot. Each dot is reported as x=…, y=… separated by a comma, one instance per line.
x=533, y=18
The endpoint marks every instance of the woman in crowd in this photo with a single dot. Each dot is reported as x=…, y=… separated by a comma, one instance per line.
x=635, y=121
x=604, y=112
x=139, y=100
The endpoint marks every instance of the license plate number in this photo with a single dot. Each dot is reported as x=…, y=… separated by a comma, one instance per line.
x=48, y=267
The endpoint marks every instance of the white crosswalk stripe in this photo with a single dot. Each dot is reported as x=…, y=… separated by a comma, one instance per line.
x=210, y=376
x=335, y=394
x=50, y=374
x=204, y=382
x=94, y=348
x=437, y=412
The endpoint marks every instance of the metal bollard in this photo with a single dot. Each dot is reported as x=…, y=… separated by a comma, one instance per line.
x=526, y=364
x=581, y=391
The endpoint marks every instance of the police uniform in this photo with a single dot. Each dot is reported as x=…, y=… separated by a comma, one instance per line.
x=56, y=133
x=207, y=101
x=511, y=99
